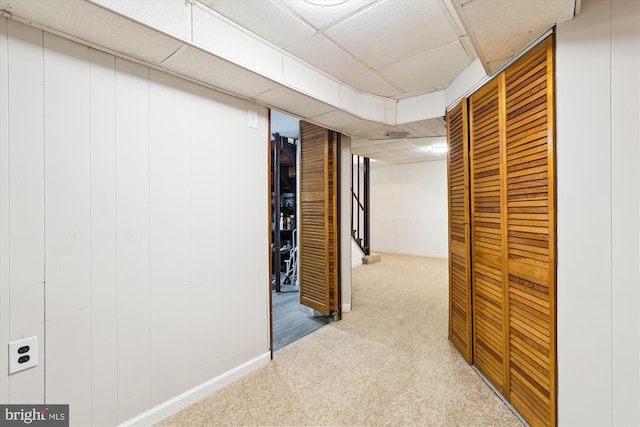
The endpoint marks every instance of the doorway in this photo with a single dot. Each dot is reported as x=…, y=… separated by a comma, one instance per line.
x=291, y=320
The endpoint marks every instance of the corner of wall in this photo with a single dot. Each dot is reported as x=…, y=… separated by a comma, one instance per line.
x=189, y=397
x=345, y=220
x=598, y=188
x=4, y=213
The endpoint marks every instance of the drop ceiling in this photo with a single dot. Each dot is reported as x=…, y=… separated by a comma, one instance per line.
x=398, y=49
x=390, y=48
x=377, y=70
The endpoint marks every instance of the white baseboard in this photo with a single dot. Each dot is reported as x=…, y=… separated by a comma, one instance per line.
x=346, y=308
x=189, y=397
x=401, y=252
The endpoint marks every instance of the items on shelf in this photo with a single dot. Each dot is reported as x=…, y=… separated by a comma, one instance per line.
x=287, y=222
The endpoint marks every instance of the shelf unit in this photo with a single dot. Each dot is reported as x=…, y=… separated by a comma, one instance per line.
x=283, y=202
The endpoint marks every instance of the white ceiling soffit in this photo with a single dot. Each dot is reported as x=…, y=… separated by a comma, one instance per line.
x=127, y=30
x=215, y=34
x=520, y=23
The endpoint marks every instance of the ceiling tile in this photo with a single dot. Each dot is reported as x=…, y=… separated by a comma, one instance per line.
x=395, y=145
x=429, y=141
x=260, y=17
x=414, y=130
x=419, y=129
x=290, y=101
x=359, y=142
x=370, y=82
x=198, y=65
x=521, y=23
x=433, y=69
x=408, y=151
x=171, y=16
x=326, y=56
x=341, y=120
x=437, y=125
x=386, y=33
x=365, y=151
x=212, y=33
x=321, y=16
x=372, y=132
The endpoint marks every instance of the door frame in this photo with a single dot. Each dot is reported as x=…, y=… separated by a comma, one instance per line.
x=344, y=236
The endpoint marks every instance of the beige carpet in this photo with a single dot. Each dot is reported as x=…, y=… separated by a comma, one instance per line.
x=388, y=362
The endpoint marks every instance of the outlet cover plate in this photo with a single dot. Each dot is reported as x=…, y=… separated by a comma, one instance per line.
x=26, y=348
x=252, y=118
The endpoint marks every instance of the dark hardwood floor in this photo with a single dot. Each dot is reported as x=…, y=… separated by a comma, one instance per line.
x=292, y=321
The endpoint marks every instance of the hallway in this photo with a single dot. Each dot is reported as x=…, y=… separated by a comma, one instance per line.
x=388, y=362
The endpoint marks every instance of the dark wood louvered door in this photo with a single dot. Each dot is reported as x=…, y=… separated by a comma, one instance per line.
x=531, y=234
x=459, y=249
x=488, y=235
x=319, y=261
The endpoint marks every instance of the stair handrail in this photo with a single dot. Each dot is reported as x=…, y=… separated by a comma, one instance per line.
x=360, y=203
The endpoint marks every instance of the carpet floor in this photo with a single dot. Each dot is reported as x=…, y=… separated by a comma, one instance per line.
x=387, y=362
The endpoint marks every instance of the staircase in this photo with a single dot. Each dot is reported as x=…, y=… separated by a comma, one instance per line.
x=360, y=229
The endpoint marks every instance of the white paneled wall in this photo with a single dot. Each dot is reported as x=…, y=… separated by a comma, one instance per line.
x=598, y=304
x=208, y=345
x=625, y=210
x=67, y=223
x=170, y=228
x=132, y=238
x=409, y=208
x=104, y=255
x=4, y=205
x=23, y=220
x=142, y=201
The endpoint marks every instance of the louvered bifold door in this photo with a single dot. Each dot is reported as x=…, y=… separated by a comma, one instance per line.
x=318, y=219
x=459, y=249
x=531, y=234
x=488, y=246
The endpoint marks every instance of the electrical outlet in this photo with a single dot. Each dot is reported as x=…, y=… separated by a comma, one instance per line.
x=23, y=354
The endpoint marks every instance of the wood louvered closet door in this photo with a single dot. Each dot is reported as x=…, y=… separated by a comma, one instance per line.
x=488, y=234
x=318, y=219
x=459, y=252
x=513, y=238
x=531, y=234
